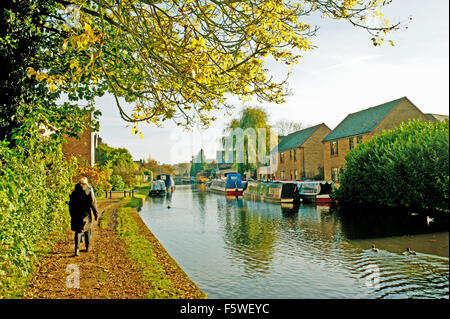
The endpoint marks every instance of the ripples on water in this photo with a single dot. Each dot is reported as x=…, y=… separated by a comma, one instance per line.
x=234, y=248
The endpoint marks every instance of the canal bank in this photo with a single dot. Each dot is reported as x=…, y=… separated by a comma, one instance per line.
x=126, y=262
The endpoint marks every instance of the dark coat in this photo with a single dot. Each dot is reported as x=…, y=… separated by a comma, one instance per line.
x=82, y=200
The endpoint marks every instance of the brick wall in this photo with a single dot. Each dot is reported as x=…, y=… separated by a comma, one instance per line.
x=338, y=160
x=309, y=157
x=80, y=148
x=404, y=111
x=314, y=151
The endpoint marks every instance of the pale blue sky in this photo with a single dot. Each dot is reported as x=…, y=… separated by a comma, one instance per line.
x=345, y=74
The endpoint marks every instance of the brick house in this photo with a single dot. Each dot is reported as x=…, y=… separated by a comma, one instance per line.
x=82, y=149
x=300, y=154
x=360, y=127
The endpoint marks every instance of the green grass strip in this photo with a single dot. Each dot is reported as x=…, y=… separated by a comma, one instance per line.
x=141, y=253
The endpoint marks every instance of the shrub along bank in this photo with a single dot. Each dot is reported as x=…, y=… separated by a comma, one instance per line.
x=35, y=183
x=406, y=167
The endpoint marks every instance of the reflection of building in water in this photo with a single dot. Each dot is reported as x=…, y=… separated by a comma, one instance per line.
x=249, y=235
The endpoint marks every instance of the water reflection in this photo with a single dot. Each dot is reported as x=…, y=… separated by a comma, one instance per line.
x=235, y=248
x=249, y=241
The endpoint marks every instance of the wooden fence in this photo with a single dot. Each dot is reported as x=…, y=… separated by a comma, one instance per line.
x=119, y=194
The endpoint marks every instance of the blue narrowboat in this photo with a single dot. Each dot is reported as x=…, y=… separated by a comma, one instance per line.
x=231, y=185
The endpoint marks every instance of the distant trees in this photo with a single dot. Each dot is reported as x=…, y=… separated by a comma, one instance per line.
x=156, y=168
x=406, y=167
x=117, y=162
x=285, y=127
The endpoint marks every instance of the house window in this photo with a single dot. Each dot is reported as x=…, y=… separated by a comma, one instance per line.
x=335, y=174
x=295, y=155
x=359, y=139
x=334, y=148
x=350, y=143
x=290, y=155
x=296, y=174
x=281, y=174
x=281, y=157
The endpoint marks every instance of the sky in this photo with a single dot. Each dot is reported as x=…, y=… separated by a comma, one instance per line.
x=344, y=74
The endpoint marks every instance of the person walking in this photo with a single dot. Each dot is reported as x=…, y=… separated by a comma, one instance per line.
x=82, y=201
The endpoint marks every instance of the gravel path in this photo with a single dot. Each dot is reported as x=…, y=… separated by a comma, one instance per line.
x=105, y=272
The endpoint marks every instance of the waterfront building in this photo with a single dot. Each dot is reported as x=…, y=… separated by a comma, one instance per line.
x=299, y=155
x=360, y=127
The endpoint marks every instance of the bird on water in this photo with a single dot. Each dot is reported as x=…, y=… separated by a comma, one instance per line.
x=410, y=252
x=375, y=249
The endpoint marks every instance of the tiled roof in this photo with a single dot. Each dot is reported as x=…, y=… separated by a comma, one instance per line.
x=296, y=139
x=362, y=122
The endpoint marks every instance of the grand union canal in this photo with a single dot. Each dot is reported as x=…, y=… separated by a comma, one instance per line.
x=236, y=248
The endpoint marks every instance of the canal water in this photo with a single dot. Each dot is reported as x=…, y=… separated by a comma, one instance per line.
x=237, y=248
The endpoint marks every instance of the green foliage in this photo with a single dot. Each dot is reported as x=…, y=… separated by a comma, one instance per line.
x=406, y=167
x=250, y=118
x=117, y=183
x=34, y=187
x=119, y=162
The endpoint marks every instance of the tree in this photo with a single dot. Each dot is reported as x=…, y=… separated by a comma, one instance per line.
x=286, y=127
x=27, y=101
x=179, y=59
x=253, y=118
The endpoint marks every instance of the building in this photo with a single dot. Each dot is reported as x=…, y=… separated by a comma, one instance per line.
x=299, y=154
x=82, y=148
x=360, y=127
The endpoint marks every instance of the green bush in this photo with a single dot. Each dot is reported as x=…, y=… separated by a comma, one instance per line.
x=117, y=183
x=405, y=167
x=34, y=186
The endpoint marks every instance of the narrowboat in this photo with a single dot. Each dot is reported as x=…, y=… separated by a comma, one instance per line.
x=273, y=191
x=315, y=192
x=158, y=188
x=168, y=181
x=231, y=185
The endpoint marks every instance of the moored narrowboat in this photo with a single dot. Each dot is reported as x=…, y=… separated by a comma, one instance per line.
x=318, y=192
x=273, y=191
x=231, y=185
x=158, y=188
x=168, y=181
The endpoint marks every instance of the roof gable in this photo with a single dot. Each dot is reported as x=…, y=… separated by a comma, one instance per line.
x=296, y=139
x=362, y=122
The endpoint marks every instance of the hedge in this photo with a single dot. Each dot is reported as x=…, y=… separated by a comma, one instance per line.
x=406, y=167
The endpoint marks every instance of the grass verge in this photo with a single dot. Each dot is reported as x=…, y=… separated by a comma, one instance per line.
x=141, y=253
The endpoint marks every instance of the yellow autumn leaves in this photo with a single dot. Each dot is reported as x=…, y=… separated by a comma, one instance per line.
x=180, y=59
